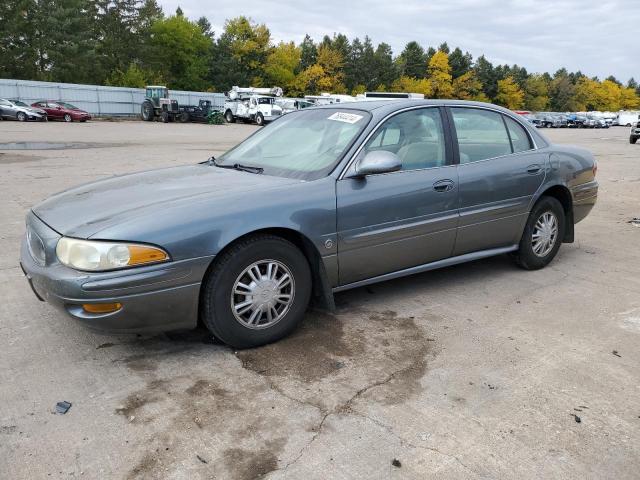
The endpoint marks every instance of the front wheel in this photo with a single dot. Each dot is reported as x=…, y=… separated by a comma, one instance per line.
x=542, y=235
x=67, y=118
x=259, y=120
x=22, y=117
x=257, y=292
x=633, y=140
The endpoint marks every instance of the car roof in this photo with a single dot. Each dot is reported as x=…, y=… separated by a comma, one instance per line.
x=399, y=103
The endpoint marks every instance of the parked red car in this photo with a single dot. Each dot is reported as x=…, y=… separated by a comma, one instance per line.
x=62, y=111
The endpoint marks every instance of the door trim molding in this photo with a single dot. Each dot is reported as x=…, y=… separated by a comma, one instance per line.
x=447, y=262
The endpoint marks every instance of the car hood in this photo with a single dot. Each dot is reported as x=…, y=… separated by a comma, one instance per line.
x=86, y=210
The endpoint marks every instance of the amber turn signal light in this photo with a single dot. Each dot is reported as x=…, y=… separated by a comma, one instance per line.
x=101, y=307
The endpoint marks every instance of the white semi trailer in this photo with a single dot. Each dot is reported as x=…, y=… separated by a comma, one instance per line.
x=252, y=104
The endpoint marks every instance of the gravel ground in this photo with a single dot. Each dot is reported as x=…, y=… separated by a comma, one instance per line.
x=475, y=371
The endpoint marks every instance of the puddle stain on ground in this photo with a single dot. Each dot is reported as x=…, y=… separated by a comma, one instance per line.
x=326, y=344
x=308, y=354
x=374, y=349
x=250, y=464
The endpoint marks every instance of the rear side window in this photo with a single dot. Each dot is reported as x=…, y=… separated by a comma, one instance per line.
x=481, y=134
x=519, y=138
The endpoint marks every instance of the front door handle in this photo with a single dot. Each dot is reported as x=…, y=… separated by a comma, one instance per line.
x=533, y=169
x=443, y=185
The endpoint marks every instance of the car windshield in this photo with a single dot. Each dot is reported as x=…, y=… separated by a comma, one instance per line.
x=265, y=100
x=305, y=144
x=68, y=105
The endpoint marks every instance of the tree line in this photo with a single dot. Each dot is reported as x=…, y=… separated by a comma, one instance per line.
x=133, y=43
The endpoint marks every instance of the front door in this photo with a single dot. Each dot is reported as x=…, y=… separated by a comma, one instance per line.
x=393, y=221
x=499, y=173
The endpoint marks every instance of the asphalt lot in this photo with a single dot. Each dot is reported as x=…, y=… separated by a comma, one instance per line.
x=475, y=371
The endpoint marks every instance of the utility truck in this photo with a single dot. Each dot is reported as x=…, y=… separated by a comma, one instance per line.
x=252, y=104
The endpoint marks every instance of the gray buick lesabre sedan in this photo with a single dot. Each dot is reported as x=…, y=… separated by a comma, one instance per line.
x=322, y=200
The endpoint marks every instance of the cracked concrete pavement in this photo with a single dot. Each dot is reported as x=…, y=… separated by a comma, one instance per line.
x=475, y=371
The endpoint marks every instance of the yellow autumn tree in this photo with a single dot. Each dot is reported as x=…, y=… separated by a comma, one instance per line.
x=468, y=87
x=509, y=94
x=439, y=74
x=629, y=99
x=324, y=76
x=412, y=85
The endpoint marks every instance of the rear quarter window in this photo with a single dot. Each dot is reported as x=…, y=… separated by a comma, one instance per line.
x=519, y=137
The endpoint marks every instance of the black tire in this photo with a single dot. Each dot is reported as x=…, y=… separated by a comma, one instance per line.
x=67, y=118
x=147, y=112
x=259, y=119
x=525, y=256
x=228, y=116
x=633, y=140
x=165, y=117
x=21, y=116
x=184, y=117
x=216, y=295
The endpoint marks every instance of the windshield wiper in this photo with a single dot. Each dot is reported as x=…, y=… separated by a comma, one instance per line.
x=236, y=166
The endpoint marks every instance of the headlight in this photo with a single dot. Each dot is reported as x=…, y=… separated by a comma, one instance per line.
x=100, y=256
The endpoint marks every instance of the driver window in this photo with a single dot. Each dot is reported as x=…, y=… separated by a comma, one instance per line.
x=416, y=136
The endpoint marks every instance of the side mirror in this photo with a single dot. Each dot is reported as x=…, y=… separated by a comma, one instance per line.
x=377, y=162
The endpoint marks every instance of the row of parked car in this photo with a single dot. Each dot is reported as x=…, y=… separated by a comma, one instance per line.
x=563, y=120
x=42, y=110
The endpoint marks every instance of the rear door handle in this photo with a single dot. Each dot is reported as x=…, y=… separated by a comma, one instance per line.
x=533, y=169
x=443, y=185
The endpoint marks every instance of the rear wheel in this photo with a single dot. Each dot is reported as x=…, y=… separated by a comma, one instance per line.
x=67, y=118
x=228, y=116
x=257, y=292
x=165, y=117
x=542, y=235
x=184, y=117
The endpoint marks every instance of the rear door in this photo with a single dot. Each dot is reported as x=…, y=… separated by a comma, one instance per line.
x=397, y=220
x=499, y=172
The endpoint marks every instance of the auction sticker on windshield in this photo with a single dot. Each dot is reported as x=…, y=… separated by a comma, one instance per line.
x=345, y=117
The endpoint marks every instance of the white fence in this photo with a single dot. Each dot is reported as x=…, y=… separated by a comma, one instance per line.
x=97, y=100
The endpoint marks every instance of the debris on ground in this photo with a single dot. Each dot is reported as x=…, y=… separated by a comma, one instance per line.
x=63, y=407
x=576, y=418
x=105, y=345
x=615, y=352
x=396, y=463
x=201, y=459
x=635, y=221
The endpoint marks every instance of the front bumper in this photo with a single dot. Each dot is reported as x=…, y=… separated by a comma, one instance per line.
x=155, y=298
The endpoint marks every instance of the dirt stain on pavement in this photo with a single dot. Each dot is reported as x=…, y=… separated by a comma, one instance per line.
x=330, y=364
x=252, y=464
x=308, y=354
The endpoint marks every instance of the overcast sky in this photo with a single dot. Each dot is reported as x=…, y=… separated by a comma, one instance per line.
x=598, y=37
